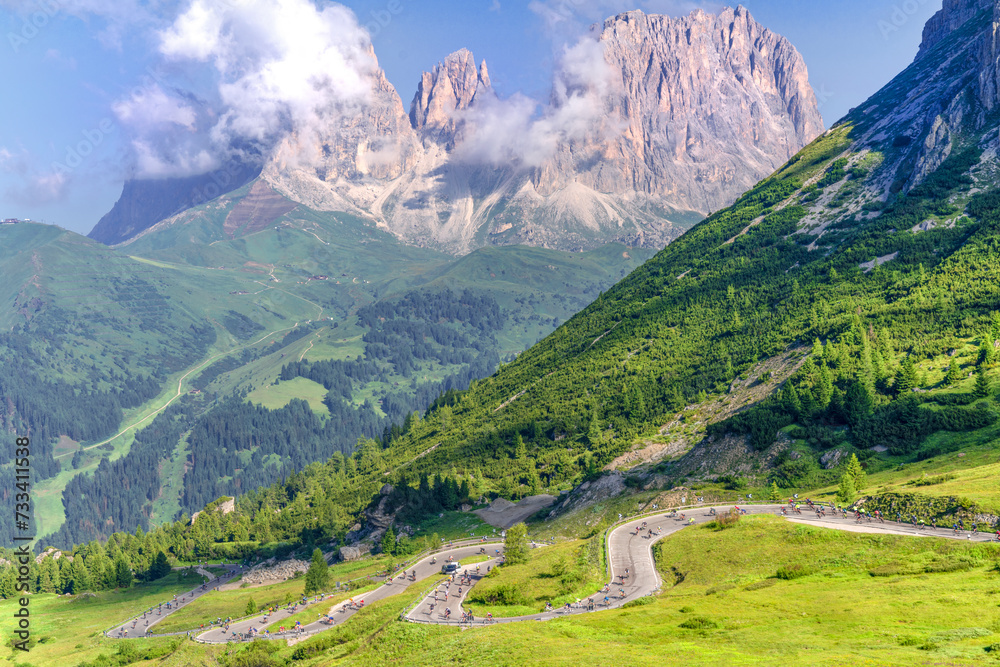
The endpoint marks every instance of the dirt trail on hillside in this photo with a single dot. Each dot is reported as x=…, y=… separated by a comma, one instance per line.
x=504, y=514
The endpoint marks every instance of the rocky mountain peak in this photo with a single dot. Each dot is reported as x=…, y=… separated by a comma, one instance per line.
x=653, y=122
x=699, y=107
x=952, y=15
x=452, y=86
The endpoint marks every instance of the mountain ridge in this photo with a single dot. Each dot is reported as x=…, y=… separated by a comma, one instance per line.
x=619, y=154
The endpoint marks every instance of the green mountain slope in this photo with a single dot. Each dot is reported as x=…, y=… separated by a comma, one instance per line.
x=157, y=334
x=879, y=239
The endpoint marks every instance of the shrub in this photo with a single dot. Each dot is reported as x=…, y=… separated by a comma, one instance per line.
x=757, y=585
x=699, y=623
x=959, y=634
x=892, y=569
x=727, y=520
x=502, y=594
x=789, y=572
x=640, y=602
x=949, y=565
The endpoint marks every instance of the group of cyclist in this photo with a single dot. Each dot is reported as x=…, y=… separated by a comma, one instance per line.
x=876, y=515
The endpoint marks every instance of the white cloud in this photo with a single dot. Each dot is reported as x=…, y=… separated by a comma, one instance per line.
x=514, y=130
x=151, y=107
x=32, y=186
x=195, y=34
x=277, y=67
x=182, y=161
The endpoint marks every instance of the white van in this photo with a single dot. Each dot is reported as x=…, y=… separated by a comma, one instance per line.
x=450, y=568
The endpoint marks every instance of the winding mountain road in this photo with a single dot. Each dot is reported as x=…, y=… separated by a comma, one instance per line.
x=629, y=550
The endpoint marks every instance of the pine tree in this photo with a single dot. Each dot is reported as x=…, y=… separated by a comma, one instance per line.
x=986, y=351
x=906, y=377
x=982, y=388
x=594, y=431
x=318, y=575
x=859, y=402
x=774, y=495
x=520, y=451
x=251, y=607
x=515, y=544
x=81, y=577
x=7, y=583
x=791, y=400
x=160, y=566
x=953, y=375
x=123, y=573
x=846, y=492
x=824, y=389
x=388, y=542
x=817, y=351
x=857, y=473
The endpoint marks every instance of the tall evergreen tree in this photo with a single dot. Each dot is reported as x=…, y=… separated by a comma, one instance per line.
x=857, y=473
x=846, y=491
x=906, y=377
x=982, y=387
x=953, y=375
x=790, y=399
x=318, y=575
x=160, y=566
x=123, y=572
x=515, y=544
x=388, y=542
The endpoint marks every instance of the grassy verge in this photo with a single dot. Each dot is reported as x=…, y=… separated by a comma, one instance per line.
x=68, y=629
x=233, y=603
x=564, y=572
x=731, y=609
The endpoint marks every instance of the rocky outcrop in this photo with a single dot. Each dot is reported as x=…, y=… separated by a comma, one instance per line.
x=452, y=87
x=699, y=108
x=952, y=15
x=270, y=571
x=145, y=202
x=349, y=553
x=588, y=493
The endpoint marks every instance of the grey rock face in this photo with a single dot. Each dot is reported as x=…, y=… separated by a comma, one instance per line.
x=653, y=123
x=452, y=87
x=689, y=113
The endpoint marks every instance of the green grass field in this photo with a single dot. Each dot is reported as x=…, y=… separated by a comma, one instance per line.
x=558, y=574
x=274, y=397
x=71, y=627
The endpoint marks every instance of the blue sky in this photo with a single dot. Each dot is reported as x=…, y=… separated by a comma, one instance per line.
x=79, y=74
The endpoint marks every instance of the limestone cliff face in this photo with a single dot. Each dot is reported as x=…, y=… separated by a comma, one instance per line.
x=701, y=108
x=946, y=97
x=952, y=15
x=653, y=122
x=676, y=118
x=452, y=87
